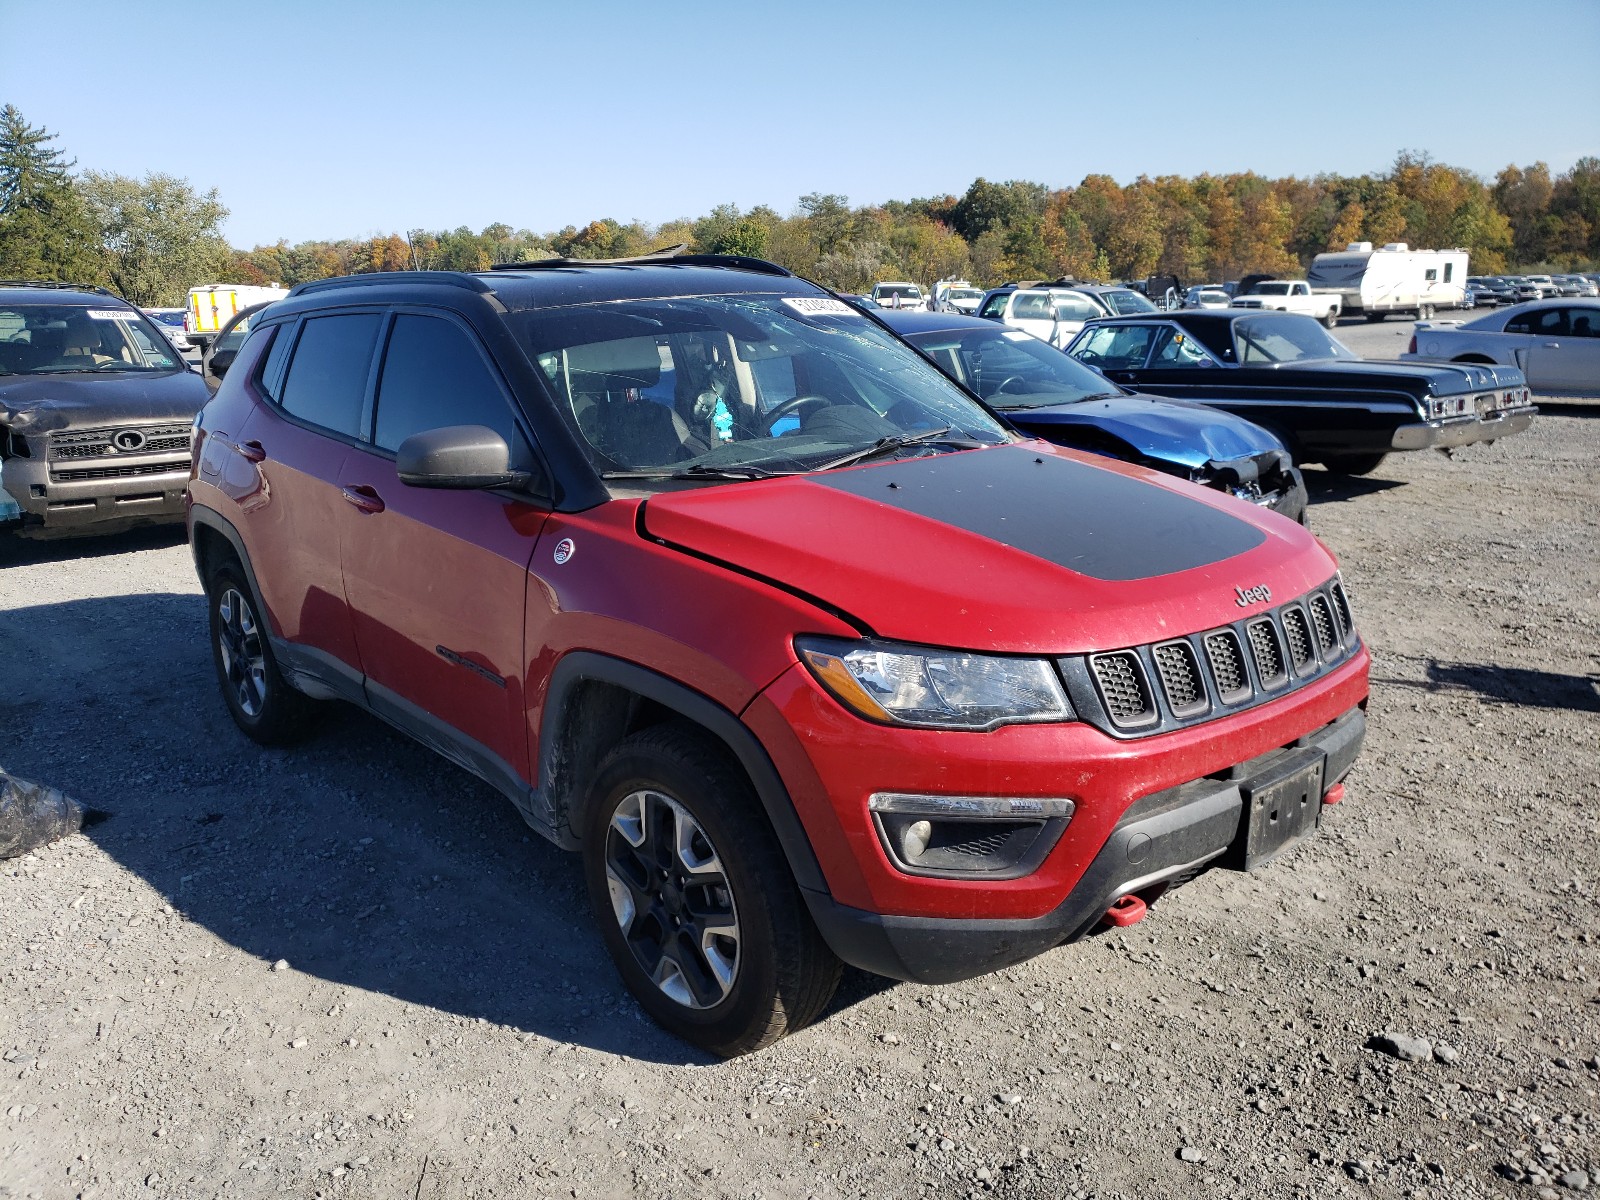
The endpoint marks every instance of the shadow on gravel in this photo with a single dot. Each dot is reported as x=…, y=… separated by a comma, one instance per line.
x=1325, y=487
x=19, y=551
x=1510, y=685
x=358, y=856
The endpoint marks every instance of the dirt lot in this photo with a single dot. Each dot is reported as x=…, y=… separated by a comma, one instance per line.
x=347, y=970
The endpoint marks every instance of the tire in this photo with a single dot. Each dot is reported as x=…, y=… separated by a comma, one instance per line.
x=262, y=703
x=1332, y=319
x=1353, y=464
x=1375, y=317
x=752, y=967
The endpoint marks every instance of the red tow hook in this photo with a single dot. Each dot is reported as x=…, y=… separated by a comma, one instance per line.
x=1128, y=910
x=1334, y=794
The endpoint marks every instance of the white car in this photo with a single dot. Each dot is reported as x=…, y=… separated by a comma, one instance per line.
x=898, y=295
x=1555, y=343
x=1052, y=315
x=1206, y=297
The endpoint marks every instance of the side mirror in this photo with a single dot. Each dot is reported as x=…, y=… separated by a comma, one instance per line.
x=221, y=361
x=465, y=457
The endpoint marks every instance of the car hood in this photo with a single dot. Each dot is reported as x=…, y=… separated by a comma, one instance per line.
x=1026, y=548
x=1174, y=431
x=1443, y=378
x=32, y=404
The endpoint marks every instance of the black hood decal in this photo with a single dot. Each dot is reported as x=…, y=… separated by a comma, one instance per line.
x=1097, y=523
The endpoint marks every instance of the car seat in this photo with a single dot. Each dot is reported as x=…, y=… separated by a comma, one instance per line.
x=632, y=430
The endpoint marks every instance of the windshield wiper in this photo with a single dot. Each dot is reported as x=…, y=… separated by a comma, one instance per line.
x=697, y=471
x=896, y=441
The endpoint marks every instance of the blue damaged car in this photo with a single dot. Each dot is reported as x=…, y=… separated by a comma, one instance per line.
x=1049, y=395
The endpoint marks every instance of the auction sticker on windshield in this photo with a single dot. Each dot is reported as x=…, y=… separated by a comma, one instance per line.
x=109, y=314
x=818, y=306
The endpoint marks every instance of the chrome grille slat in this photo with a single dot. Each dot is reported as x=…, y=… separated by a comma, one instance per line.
x=96, y=443
x=1227, y=666
x=1120, y=677
x=1180, y=679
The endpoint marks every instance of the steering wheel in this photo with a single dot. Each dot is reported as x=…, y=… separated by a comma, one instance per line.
x=1005, y=385
x=788, y=408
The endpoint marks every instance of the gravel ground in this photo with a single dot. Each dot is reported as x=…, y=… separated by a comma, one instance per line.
x=347, y=970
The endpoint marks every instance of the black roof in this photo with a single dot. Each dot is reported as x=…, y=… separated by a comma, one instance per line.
x=557, y=282
x=27, y=291
x=909, y=321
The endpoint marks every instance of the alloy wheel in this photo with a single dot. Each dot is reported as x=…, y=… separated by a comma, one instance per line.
x=672, y=900
x=244, y=663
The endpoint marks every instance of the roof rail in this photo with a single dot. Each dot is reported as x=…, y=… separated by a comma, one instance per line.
x=59, y=286
x=667, y=254
x=448, y=278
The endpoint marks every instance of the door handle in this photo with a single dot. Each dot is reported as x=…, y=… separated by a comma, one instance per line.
x=1550, y=345
x=250, y=451
x=363, y=497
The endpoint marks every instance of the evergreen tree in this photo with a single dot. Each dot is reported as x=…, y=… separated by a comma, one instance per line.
x=46, y=231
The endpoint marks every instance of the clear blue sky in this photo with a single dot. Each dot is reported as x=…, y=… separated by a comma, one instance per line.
x=347, y=117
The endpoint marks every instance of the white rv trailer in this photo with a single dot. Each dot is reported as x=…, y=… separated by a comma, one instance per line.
x=1395, y=278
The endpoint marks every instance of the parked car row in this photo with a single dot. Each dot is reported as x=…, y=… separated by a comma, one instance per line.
x=1489, y=290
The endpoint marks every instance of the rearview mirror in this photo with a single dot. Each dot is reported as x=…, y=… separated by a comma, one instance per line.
x=459, y=456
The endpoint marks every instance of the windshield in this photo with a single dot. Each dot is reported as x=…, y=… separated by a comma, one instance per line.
x=172, y=318
x=1011, y=369
x=1272, y=289
x=62, y=339
x=1124, y=300
x=745, y=385
x=1284, y=337
x=964, y=294
x=906, y=291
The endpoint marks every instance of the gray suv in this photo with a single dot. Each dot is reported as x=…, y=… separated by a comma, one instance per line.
x=96, y=413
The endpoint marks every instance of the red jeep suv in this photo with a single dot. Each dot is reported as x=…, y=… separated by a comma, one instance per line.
x=809, y=654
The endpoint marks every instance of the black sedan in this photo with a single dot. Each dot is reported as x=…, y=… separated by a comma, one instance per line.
x=1286, y=372
x=1044, y=393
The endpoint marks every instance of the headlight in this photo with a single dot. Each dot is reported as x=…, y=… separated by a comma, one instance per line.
x=938, y=689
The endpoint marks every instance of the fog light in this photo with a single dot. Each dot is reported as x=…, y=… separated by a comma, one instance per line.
x=996, y=837
x=914, y=839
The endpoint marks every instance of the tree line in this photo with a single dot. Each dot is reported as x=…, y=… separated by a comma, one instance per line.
x=151, y=239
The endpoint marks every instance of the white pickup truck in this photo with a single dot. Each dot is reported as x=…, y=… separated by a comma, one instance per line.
x=1292, y=295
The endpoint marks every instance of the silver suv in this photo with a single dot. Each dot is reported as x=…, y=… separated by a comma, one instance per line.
x=96, y=410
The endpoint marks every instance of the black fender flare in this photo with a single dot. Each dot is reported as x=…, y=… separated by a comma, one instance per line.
x=210, y=519
x=580, y=666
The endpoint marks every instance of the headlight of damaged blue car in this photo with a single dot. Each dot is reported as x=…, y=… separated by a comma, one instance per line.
x=935, y=689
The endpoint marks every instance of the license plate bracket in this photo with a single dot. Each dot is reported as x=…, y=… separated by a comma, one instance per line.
x=1281, y=807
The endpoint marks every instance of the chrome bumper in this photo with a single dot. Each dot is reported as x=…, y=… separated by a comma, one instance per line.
x=1463, y=431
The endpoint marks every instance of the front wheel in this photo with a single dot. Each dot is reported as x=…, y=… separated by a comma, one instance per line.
x=1353, y=464
x=262, y=704
x=694, y=898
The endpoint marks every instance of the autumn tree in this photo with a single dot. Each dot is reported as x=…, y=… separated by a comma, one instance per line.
x=160, y=237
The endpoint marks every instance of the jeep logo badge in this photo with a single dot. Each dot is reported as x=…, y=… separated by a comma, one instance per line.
x=564, y=550
x=1260, y=594
x=128, y=440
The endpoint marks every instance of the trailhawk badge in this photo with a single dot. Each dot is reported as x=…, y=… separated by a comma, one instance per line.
x=1260, y=594
x=565, y=550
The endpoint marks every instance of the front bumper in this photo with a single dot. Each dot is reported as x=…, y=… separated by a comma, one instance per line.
x=51, y=505
x=1463, y=431
x=1162, y=840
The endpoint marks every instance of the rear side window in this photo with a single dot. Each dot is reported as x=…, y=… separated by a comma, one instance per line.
x=277, y=358
x=433, y=377
x=327, y=378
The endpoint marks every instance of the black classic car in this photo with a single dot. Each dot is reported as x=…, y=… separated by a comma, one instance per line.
x=1286, y=372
